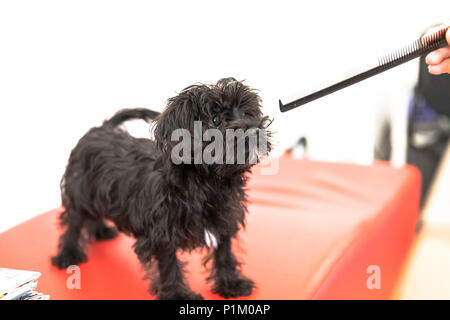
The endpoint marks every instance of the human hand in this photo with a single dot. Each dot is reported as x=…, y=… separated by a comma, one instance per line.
x=439, y=60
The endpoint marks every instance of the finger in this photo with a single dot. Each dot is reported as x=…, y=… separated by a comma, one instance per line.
x=438, y=55
x=443, y=67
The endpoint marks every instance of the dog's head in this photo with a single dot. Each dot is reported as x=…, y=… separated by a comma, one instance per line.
x=220, y=126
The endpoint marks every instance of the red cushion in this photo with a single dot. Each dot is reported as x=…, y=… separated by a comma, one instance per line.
x=312, y=231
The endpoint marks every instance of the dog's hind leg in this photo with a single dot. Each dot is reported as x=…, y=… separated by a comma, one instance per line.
x=99, y=230
x=71, y=243
x=228, y=280
x=169, y=282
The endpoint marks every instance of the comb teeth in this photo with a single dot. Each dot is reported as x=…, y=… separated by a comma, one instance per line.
x=425, y=44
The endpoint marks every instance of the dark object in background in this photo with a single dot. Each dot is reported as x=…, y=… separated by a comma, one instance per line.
x=428, y=124
x=300, y=149
x=435, y=89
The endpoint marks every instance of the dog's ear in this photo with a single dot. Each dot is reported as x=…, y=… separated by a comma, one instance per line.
x=180, y=113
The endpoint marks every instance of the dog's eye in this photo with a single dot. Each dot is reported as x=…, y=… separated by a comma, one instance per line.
x=216, y=120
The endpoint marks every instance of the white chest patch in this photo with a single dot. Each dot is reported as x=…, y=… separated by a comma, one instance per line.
x=210, y=239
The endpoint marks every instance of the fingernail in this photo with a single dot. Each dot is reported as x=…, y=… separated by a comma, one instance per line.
x=430, y=57
x=431, y=69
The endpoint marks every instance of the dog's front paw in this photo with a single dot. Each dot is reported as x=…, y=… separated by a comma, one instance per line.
x=69, y=257
x=179, y=294
x=233, y=287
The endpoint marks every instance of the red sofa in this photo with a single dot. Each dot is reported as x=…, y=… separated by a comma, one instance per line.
x=313, y=231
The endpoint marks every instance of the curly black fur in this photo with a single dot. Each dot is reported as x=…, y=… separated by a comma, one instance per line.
x=165, y=207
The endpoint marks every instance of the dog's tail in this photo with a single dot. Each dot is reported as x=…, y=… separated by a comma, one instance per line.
x=128, y=114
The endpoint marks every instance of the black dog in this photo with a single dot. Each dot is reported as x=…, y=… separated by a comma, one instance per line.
x=167, y=207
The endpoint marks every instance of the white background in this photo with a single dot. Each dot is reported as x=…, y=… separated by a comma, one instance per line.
x=67, y=65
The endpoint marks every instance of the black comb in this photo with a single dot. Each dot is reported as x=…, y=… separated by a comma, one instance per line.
x=422, y=46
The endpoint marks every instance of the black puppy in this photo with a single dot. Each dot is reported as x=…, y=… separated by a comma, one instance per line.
x=166, y=206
